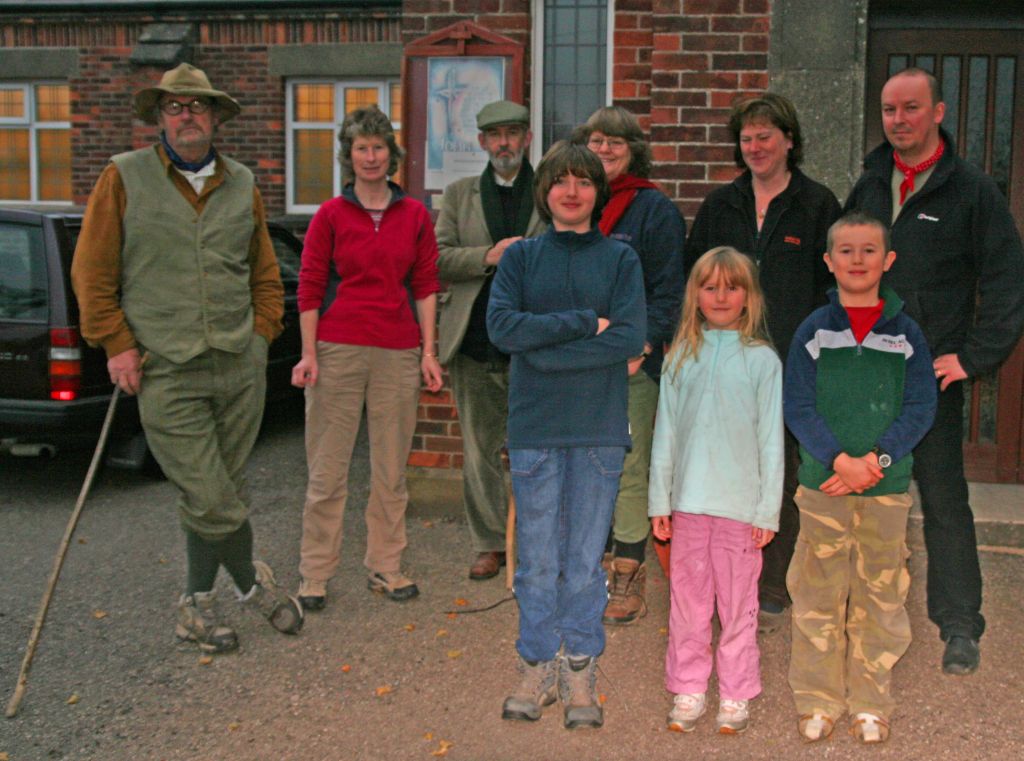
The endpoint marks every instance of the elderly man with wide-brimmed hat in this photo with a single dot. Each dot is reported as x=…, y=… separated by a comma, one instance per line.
x=177, y=281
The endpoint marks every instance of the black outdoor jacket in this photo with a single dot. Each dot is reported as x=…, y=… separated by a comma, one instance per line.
x=955, y=242
x=788, y=251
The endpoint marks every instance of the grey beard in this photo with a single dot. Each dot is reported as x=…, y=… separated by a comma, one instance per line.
x=503, y=165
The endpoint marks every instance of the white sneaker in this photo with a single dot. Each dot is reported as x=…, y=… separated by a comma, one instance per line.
x=869, y=729
x=733, y=716
x=686, y=709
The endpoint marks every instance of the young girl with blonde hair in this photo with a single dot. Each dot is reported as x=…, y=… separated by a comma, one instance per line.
x=716, y=484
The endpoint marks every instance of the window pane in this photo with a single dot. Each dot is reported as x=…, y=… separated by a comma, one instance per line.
x=314, y=103
x=54, y=153
x=396, y=102
x=951, y=94
x=926, y=62
x=898, y=63
x=314, y=166
x=15, y=183
x=12, y=104
x=53, y=103
x=23, y=285
x=360, y=97
x=977, y=101
x=1001, y=134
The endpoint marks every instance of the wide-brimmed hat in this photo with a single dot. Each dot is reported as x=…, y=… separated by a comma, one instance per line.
x=184, y=79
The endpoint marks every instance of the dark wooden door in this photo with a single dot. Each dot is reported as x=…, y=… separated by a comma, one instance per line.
x=981, y=72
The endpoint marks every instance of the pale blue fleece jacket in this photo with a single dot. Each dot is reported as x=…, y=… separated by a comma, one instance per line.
x=718, y=435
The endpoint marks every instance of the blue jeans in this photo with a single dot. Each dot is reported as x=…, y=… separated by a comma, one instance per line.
x=564, y=503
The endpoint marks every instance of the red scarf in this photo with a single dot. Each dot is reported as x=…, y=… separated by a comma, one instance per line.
x=907, y=186
x=624, y=189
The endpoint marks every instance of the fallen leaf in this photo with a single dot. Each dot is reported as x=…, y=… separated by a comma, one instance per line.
x=73, y=699
x=602, y=698
x=233, y=726
x=441, y=633
x=442, y=748
x=4, y=757
x=663, y=630
x=428, y=524
x=461, y=602
x=346, y=668
x=454, y=653
x=205, y=660
x=384, y=689
x=410, y=627
x=162, y=560
x=98, y=614
x=453, y=616
x=426, y=736
x=81, y=540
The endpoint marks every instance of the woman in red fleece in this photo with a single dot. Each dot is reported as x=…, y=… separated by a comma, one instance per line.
x=364, y=347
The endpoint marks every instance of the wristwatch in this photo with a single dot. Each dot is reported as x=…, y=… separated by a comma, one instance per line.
x=884, y=458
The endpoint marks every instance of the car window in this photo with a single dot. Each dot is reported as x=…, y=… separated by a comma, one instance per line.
x=289, y=258
x=23, y=287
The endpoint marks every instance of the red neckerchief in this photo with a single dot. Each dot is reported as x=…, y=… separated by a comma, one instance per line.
x=862, y=319
x=907, y=186
x=624, y=189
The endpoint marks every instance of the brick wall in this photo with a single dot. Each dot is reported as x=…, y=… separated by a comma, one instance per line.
x=234, y=52
x=677, y=65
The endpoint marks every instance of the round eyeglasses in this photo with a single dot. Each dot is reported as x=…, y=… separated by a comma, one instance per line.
x=194, y=106
x=615, y=143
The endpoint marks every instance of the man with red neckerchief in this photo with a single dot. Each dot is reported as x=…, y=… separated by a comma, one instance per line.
x=959, y=269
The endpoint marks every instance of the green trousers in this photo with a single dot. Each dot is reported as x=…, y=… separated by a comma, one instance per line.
x=201, y=420
x=630, y=523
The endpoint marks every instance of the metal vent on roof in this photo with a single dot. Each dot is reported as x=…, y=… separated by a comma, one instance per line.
x=163, y=45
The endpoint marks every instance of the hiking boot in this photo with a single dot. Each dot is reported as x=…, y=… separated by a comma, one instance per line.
x=394, y=584
x=577, y=680
x=283, y=611
x=199, y=622
x=733, y=716
x=687, y=707
x=537, y=689
x=626, y=594
x=313, y=594
x=486, y=565
x=770, y=617
x=961, y=656
x=606, y=566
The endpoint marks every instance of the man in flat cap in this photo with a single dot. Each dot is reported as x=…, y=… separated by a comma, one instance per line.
x=481, y=217
x=175, y=265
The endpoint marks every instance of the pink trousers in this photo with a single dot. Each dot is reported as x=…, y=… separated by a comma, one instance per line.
x=713, y=559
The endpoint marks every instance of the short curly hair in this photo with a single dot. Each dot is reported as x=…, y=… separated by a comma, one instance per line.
x=564, y=158
x=367, y=122
x=770, y=108
x=615, y=121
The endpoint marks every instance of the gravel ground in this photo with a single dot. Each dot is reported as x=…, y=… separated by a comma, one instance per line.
x=372, y=679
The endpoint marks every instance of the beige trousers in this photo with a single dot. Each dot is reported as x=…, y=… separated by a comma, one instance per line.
x=387, y=381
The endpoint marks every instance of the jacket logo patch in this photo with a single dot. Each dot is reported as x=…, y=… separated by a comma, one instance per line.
x=924, y=217
x=792, y=239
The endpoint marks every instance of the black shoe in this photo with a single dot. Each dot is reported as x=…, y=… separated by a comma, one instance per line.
x=313, y=602
x=962, y=655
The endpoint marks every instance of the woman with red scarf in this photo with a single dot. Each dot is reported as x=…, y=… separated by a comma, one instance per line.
x=640, y=215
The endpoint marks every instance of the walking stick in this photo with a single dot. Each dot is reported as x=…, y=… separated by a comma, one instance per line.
x=510, y=541
x=58, y=561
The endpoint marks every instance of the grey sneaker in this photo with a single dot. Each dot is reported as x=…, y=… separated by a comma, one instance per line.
x=283, y=611
x=199, y=622
x=733, y=716
x=394, y=584
x=538, y=688
x=687, y=707
x=577, y=679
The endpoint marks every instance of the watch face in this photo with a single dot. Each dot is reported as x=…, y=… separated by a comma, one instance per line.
x=884, y=460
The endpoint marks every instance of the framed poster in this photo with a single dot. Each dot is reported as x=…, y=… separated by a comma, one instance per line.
x=447, y=77
x=457, y=88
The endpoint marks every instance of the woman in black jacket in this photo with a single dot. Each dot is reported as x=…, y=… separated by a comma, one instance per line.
x=779, y=217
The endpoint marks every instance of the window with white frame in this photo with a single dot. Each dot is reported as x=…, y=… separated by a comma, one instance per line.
x=35, y=142
x=571, y=44
x=316, y=109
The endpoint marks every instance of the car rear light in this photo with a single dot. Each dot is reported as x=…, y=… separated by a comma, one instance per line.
x=65, y=364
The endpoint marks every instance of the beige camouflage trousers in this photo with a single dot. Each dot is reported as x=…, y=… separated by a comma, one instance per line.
x=849, y=582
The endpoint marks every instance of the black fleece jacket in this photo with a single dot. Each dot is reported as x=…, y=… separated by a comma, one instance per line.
x=959, y=261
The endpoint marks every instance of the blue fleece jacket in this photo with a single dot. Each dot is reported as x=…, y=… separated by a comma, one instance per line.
x=567, y=383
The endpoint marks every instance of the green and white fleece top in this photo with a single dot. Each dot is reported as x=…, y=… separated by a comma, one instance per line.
x=843, y=396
